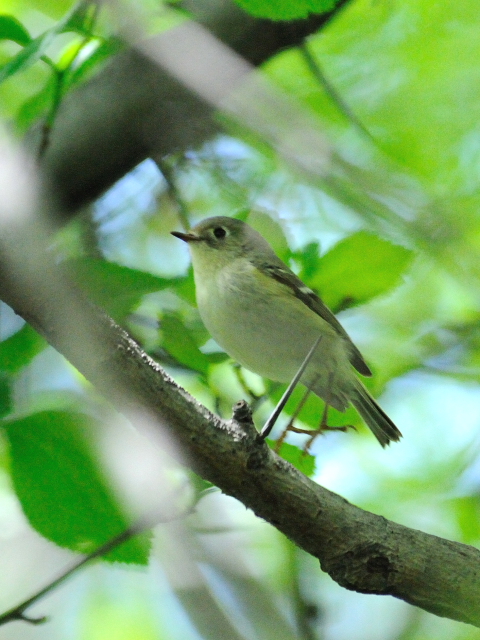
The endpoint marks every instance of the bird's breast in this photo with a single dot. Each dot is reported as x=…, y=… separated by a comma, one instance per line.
x=264, y=326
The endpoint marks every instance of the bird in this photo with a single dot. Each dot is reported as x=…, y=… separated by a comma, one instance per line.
x=264, y=317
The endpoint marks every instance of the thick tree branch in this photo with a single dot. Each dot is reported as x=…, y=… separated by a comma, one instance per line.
x=133, y=109
x=361, y=551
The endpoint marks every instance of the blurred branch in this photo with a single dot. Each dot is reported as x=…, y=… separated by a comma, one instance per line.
x=133, y=109
x=205, y=610
x=162, y=97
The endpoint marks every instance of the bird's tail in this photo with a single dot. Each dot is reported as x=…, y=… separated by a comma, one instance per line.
x=376, y=419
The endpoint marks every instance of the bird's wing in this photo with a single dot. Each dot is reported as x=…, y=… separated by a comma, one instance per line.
x=282, y=274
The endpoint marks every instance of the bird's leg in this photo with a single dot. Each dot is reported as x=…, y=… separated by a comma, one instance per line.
x=313, y=433
x=290, y=426
x=323, y=426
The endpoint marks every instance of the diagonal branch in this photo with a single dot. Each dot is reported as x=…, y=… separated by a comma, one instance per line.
x=362, y=551
x=132, y=109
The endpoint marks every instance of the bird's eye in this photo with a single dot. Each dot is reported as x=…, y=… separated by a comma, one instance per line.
x=219, y=232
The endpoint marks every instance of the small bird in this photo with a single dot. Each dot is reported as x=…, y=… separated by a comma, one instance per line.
x=267, y=319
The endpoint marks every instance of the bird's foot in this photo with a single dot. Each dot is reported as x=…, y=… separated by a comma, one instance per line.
x=312, y=433
x=321, y=430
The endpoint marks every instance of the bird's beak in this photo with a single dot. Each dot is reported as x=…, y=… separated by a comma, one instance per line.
x=186, y=237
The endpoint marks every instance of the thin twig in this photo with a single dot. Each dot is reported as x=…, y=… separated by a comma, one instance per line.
x=168, y=174
x=318, y=73
x=60, y=76
x=18, y=612
x=255, y=399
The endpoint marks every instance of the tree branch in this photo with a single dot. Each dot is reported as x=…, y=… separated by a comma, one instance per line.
x=361, y=551
x=133, y=109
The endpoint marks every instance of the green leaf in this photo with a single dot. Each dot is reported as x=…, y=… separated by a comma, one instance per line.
x=104, y=51
x=115, y=288
x=466, y=510
x=185, y=287
x=308, y=258
x=271, y=229
x=61, y=489
x=35, y=49
x=12, y=29
x=28, y=55
x=36, y=105
x=359, y=268
x=5, y=395
x=18, y=350
x=78, y=19
x=179, y=343
x=302, y=461
x=286, y=9
x=52, y=8
x=217, y=357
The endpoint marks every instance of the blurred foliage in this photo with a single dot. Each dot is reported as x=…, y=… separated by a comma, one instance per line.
x=65, y=63
x=19, y=349
x=117, y=289
x=304, y=462
x=389, y=237
x=284, y=9
x=342, y=276
x=56, y=478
